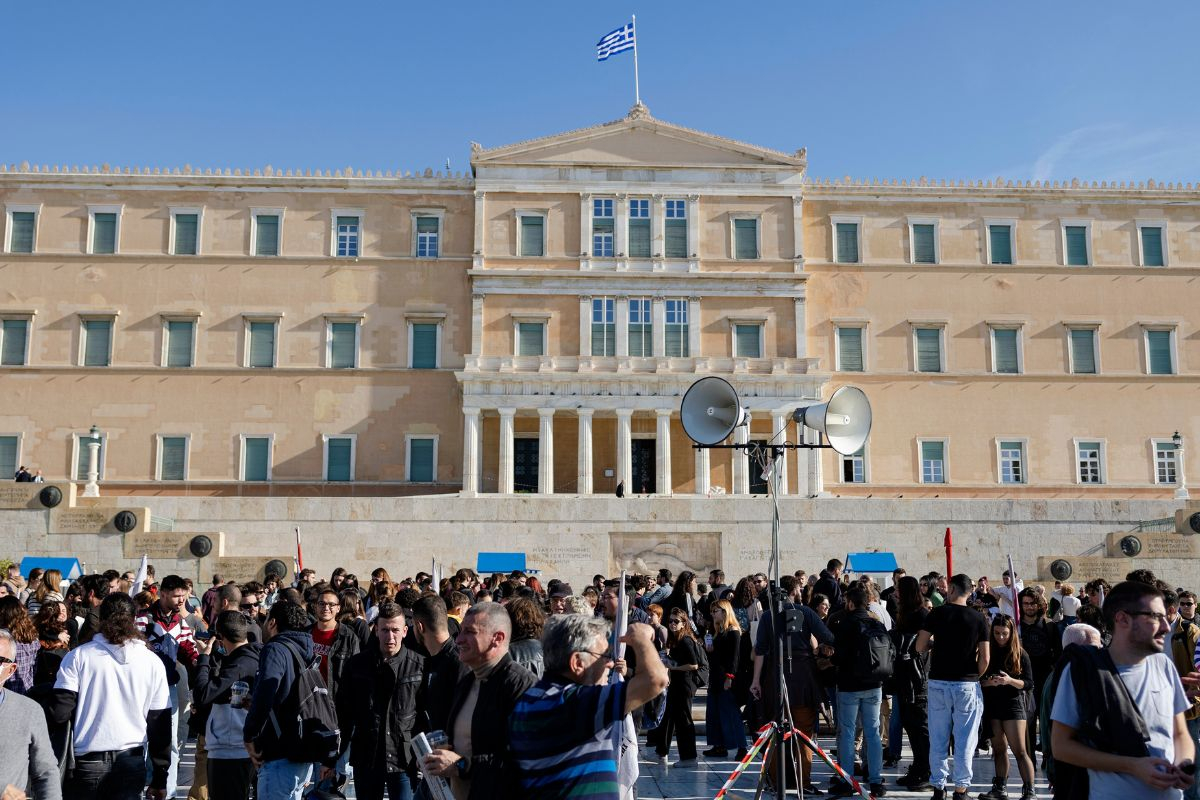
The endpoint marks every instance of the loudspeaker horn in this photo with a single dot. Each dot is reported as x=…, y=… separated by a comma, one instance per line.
x=845, y=419
x=710, y=411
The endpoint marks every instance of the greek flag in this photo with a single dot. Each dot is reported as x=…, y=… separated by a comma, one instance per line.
x=612, y=43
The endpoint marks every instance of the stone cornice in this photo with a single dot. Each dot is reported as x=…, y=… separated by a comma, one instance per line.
x=999, y=188
x=347, y=177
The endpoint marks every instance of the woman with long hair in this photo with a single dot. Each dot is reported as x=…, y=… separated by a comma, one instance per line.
x=911, y=680
x=744, y=598
x=723, y=718
x=15, y=620
x=682, y=596
x=46, y=590
x=684, y=661
x=337, y=578
x=528, y=620
x=1007, y=706
x=55, y=639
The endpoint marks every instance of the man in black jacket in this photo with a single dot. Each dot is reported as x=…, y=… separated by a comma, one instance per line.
x=1041, y=639
x=443, y=669
x=229, y=770
x=377, y=709
x=478, y=761
x=856, y=694
x=830, y=584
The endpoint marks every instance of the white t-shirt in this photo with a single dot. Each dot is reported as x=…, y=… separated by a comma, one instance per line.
x=1005, y=595
x=116, y=687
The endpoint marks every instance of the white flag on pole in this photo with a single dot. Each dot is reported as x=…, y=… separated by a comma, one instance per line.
x=139, y=579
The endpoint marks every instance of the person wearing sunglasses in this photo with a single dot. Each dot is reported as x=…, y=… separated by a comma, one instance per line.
x=27, y=763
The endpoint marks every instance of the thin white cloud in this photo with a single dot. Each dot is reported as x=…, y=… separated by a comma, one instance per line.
x=1113, y=151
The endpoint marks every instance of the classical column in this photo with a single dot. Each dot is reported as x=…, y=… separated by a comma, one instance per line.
x=480, y=231
x=801, y=328
x=694, y=327
x=470, y=473
x=621, y=227
x=802, y=460
x=585, y=326
x=584, y=479
x=505, y=483
x=585, y=225
x=658, y=327
x=657, y=226
x=477, y=324
x=798, y=231
x=1181, y=490
x=702, y=471
x=625, y=448
x=621, y=320
x=693, y=225
x=741, y=464
x=815, y=483
x=545, y=451
x=780, y=421
x=662, y=452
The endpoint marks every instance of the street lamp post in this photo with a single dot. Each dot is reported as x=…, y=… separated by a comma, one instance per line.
x=1181, y=492
x=92, y=488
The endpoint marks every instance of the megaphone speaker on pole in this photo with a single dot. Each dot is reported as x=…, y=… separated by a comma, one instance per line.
x=710, y=411
x=845, y=419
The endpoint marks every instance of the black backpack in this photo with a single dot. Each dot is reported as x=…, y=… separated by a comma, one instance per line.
x=309, y=729
x=700, y=676
x=876, y=652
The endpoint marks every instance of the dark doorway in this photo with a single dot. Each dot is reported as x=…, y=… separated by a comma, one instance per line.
x=643, y=466
x=758, y=485
x=525, y=465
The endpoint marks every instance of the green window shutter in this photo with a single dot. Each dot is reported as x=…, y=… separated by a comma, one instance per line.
x=1083, y=351
x=1077, y=249
x=104, y=233
x=1152, y=247
x=530, y=339
x=748, y=341
x=338, y=459
x=850, y=350
x=97, y=337
x=174, y=451
x=1000, y=237
x=929, y=350
x=933, y=451
x=1005, y=342
x=427, y=225
x=745, y=238
x=258, y=458
x=924, y=251
x=532, y=243
x=83, y=455
x=675, y=242
x=266, y=235
x=187, y=231
x=420, y=460
x=179, y=343
x=847, y=242
x=21, y=238
x=424, y=345
x=342, y=348
x=16, y=337
x=604, y=339
x=262, y=344
x=639, y=238
x=677, y=341
x=639, y=341
x=8, y=457
x=1159, y=345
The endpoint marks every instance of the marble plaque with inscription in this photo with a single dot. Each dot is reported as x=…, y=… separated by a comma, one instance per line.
x=237, y=568
x=1086, y=568
x=168, y=544
x=649, y=552
x=25, y=495
x=94, y=519
x=1157, y=545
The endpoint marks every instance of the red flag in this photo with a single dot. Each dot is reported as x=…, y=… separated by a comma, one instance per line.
x=299, y=554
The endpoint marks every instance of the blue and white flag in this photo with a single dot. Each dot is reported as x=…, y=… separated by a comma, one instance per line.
x=616, y=42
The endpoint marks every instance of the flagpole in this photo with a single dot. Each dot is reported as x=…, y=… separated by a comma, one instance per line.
x=637, y=92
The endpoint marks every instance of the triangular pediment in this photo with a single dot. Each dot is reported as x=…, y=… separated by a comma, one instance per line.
x=636, y=140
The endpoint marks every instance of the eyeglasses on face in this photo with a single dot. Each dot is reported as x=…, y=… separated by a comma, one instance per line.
x=1183, y=603
x=1154, y=615
x=327, y=605
x=607, y=655
x=4, y=660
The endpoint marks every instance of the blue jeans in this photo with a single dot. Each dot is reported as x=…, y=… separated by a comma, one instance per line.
x=955, y=709
x=895, y=729
x=282, y=779
x=723, y=721
x=849, y=705
x=369, y=785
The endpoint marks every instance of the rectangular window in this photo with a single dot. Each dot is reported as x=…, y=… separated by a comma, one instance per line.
x=187, y=234
x=343, y=345
x=675, y=229
x=1000, y=244
x=1089, y=457
x=172, y=458
x=1076, y=243
x=97, y=342
x=850, y=349
x=933, y=462
x=747, y=341
x=1083, y=351
x=9, y=453
x=427, y=237
x=424, y=345
x=181, y=335
x=847, y=242
x=21, y=232
x=1152, y=247
x=421, y=462
x=745, y=238
x=532, y=239
x=854, y=468
x=641, y=340
x=1006, y=356
x=266, y=235
x=639, y=228
x=602, y=228
x=339, y=458
x=924, y=249
x=104, y=233
x=1159, y=357
x=530, y=339
x=256, y=458
x=677, y=334
x=604, y=329
x=349, y=230
x=1166, y=461
x=1012, y=462
x=929, y=349
x=14, y=344
x=262, y=344
x=83, y=456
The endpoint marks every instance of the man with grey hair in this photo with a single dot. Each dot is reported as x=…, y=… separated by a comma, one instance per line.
x=27, y=762
x=1081, y=633
x=562, y=729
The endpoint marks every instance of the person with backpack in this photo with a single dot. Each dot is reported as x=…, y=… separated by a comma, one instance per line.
x=688, y=671
x=230, y=772
x=723, y=718
x=864, y=654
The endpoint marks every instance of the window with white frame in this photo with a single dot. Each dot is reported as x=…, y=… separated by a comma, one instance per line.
x=10, y=454
x=1089, y=458
x=97, y=341
x=847, y=239
x=675, y=229
x=602, y=227
x=933, y=460
x=531, y=239
x=339, y=457
x=1166, y=462
x=928, y=348
x=21, y=229
x=424, y=337
x=923, y=240
x=266, y=225
x=1084, y=349
x=1076, y=243
x=604, y=329
x=677, y=334
x=172, y=457
x=104, y=229
x=639, y=228
x=1006, y=350
x=185, y=231
x=1012, y=461
x=1160, y=351
x=347, y=229
x=179, y=342
x=745, y=238
x=261, y=336
x=1000, y=237
x=14, y=342
x=1152, y=243
x=854, y=466
x=427, y=228
x=256, y=457
x=748, y=340
x=531, y=337
x=341, y=343
x=850, y=349
x=641, y=339
x=83, y=456
x=422, y=459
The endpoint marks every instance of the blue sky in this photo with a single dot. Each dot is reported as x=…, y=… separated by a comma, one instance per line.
x=957, y=89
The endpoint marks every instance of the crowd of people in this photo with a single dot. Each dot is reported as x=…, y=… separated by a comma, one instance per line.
x=500, y=686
